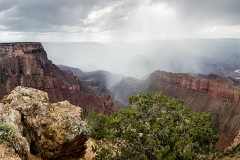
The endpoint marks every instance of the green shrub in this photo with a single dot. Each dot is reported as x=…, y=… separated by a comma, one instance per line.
x=7, y=130
x=96, y=123
x=155, y=127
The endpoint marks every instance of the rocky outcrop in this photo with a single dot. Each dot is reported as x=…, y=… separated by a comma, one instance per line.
x=47, y=130
x=27, y=64
x=8, y=153
x=236, y=140
x=224, y=141
x=228, y=142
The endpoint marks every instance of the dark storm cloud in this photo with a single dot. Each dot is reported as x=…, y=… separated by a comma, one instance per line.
x=37, y=15
x=5, y=5
x=122, y=19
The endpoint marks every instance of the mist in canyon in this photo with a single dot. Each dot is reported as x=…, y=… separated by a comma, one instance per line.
x=139, y=59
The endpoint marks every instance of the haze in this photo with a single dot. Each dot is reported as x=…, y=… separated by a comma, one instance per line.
x=138, y=59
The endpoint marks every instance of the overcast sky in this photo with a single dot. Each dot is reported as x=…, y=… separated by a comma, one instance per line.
x=117, y=20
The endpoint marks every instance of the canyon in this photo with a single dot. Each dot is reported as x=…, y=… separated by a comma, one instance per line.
x=220, y=96
x=96, y=82
x=206, y=56
x=27, y=64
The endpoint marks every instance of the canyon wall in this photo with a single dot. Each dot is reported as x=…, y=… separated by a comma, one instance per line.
x=27, y=64
x=220, y=96
x=220, y=87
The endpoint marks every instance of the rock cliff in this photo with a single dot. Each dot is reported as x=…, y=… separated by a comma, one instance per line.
x=106, y=78
x=27, y=64
x=47, y=130
x=96, y=82
x=236, y=140
x=215, y=94
x=127, y=87
x=219, y=87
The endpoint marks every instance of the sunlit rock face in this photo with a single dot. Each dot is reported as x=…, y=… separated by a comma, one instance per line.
x=236, y=140
x=7, y=152
x=27, y=64
x=47, y=130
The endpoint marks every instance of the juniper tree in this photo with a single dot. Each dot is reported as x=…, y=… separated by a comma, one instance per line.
x=154, y=127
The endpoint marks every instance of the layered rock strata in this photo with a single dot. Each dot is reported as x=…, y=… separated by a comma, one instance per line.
x=220, y=87
x=47, y=130
x=215, y=94
x=27, y=64
x=219, y=96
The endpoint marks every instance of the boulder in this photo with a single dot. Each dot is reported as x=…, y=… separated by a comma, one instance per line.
x=47, y=130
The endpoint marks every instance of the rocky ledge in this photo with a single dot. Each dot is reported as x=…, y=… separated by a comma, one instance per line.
x=46, y=130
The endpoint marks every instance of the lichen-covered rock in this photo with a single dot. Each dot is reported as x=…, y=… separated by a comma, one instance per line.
x=8, y=153
x=236, y=140
x=227, y=143
x=50, y=131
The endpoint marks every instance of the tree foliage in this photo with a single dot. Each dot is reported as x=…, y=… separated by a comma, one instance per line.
x=97, y=125
x=155, y=127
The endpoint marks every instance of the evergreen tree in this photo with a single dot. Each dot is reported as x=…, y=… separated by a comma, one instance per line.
x=154, y=127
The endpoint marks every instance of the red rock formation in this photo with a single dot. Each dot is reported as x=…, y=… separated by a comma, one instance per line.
x=219, y=96
x=221, y=87
x=228, y=142
x=236, y=140
x=224, y=142
x=27, y=64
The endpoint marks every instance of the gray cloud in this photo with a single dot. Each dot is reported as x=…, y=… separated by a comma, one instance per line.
x=214, y=11
x=122, y=20
x=35, y=15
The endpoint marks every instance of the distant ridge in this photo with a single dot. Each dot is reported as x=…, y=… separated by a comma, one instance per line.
x=96, y=82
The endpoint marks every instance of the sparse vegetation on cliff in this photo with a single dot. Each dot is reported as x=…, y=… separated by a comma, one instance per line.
x=7, y=130
x=155, y=127
x=229, y=154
